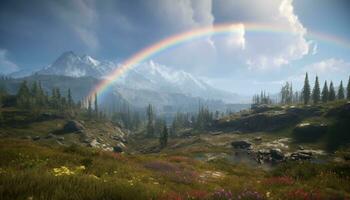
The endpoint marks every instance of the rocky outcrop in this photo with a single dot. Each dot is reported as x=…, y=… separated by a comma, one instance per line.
x=342, y=111
x=301, y=155
x=308, y=132
x=73, y=126
x=269, y=155
x=267, y=121
x=241, y=144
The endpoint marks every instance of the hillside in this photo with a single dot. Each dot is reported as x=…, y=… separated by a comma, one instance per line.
x=58, y=156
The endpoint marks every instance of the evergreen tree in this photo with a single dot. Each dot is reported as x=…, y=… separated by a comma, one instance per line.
x=341, y=91
x=348, y=90
x=96, y=106
x=89, y=111
x=325, y=92
x=331, y=94
x=163, y=139
x=316, y=92
x=306, y=90
x=150, y=119
x=23, y=95
x=69, y=97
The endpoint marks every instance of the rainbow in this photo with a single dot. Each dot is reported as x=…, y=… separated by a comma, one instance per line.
x=193, y=34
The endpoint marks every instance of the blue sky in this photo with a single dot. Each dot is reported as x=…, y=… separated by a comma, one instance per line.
x=34, y=33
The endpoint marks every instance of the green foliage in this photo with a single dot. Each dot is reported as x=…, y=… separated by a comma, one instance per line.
x=287, y=96
x=316, y=92
x=150, y=121
x=348, y=90
x=163, y=139
x=331, y=95
x=341, y=95
x=306, y=90
x=325, y=92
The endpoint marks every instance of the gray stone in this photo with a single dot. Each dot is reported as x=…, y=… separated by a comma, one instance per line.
x=241, y=144
x=73, y=126
x=276, y=154
x=50, y=135
x=258, y=139
x=117, y=149
x=36, y=138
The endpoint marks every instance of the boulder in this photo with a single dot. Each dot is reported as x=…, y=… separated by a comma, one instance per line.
x=73, y=126
x=50, y=135
x=301, y=155
x=36, y=138
x=94, y=143
x=340, y=111
x=308, y=132
x=266, y=121
x=277, y=155
x=241, y=144
x=120, y=147
x=258, y=139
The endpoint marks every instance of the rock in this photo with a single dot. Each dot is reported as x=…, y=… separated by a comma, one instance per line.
x=50, y=135
x=308, y=132
x=266, y=121
x=27, y=137
x=264, y=151
x=117, y=149
x=119, y=138
x=301, y=147
x=258, y=139
x=277, y=155
x=301, y=155
x=60, y=138
x=216, y=133
x=73, y=126
x=86, y=140
x=342, y=111
x=36, y=138
x=241, y=144
x=94, y=143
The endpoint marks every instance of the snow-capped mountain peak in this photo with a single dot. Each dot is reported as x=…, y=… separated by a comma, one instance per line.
x=147, y=76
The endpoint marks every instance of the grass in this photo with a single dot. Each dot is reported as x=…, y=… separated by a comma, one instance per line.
x=44, y=170
x=27, y=170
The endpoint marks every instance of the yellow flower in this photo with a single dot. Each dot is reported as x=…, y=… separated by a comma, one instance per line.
x=268, y=194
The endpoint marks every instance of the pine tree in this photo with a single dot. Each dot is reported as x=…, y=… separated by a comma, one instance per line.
x=316, y=92
x=23, y=95
x=70, y=100
x=348, y=90
x=331, y=94
x=325, y=92
x=341, y=91
x=306, y=90
x=150, y=123
x=96, y=106
x=163, y=139
x=89, y=111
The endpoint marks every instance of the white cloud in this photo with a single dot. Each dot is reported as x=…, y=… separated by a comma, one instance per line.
x=6, y=66
x=328, y=66
x=331, y=69
x=81, y=16
x=268, y=50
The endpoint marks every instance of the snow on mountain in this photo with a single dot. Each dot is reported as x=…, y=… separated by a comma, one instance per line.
x=70, y=64
x=148, y=76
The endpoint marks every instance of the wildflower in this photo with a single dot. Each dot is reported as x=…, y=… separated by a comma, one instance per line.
x=82, y=167
x=268, y=194
x=63, y=170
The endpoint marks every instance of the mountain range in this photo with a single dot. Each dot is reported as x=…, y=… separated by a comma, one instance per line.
x=147, y=82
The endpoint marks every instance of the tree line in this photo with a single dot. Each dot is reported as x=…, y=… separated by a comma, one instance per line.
x=307, y=94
